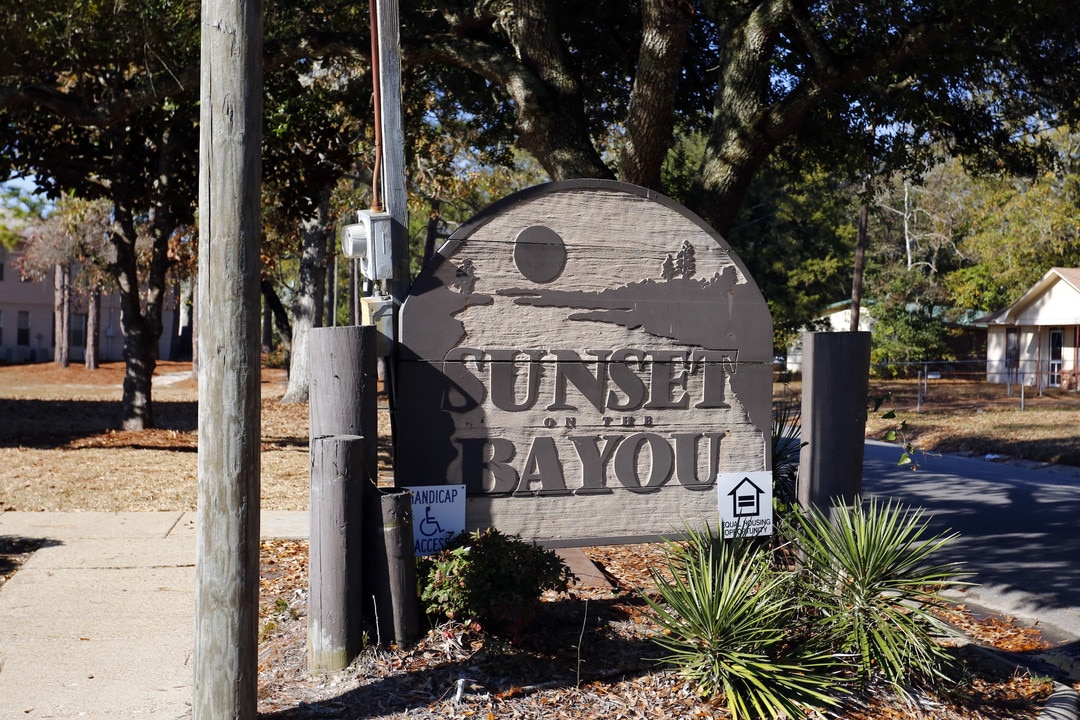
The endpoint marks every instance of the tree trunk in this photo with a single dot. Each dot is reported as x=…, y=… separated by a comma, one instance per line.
x=62, y=315
x=551, y=118
x=650, y=117
x=267, y=327
x=309, y=300
x=174, y=330
x=538, y=76
x=142, y=303
x=140, y=341
x=281, y=316
x=861, y=243
x=330, y=307
x=185, y=338
x=93, y=327
x=195, y=328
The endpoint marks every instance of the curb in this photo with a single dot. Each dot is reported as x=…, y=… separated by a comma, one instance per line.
x=1063, y=704
x=1064, y=701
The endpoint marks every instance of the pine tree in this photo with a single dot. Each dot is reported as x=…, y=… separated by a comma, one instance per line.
x=684, y=261
x=668, y=271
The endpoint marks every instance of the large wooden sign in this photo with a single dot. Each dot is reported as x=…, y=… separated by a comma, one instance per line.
x=585, y=357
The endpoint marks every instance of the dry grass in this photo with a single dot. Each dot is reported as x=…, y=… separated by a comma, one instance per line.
x=978, y=418
x=972, y=418
x=59, y=443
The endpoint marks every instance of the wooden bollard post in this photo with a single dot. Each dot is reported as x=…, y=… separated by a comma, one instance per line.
x=343, y=387
x=335, y=595
x=343, y=418
x=836, y=369
x=390, y=569
x=401, y=564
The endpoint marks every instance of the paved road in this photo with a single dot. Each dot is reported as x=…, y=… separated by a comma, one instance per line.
x=1019, y=528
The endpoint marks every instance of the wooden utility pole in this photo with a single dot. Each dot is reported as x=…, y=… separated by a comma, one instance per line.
x=393, y=137
x=225, y=661
x=395, y=588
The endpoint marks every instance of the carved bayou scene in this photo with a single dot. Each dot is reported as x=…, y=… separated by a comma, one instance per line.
x=585, y=357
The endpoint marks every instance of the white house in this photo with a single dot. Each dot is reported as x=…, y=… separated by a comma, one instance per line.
x=26, y=320
x=1036, y=340
x=834, y=318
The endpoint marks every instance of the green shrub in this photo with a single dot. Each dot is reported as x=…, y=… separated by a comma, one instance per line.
x=725, y=615
x=870, y=587
x=492, y=579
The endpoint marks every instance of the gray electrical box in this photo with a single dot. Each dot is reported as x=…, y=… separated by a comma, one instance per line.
x=378, y=310
x=369, y=240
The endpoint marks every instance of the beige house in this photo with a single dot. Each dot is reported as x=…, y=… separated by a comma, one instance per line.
x=26, y=320
x=1036, y=340
x=834, y=318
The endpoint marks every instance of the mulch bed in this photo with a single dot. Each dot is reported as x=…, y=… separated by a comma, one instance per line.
x=587, y=656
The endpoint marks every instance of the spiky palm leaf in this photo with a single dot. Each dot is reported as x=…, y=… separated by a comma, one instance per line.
x=725, y=614
x=870, y=579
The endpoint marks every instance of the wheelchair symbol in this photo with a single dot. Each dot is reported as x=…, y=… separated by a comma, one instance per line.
x=429, y=525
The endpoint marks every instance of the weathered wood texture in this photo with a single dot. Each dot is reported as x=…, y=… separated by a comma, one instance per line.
x=390, y=567
x=585, y=357
x=227, y=546
x=343, y=392
x=393, y=137
x=335, y=563
x=836, y=367
x=343, y=403
x=396, y=607
x=344, y=444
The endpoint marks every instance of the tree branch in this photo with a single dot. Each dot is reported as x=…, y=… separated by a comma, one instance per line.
x=87, y=112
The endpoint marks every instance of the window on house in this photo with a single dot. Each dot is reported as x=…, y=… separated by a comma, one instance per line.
x=22, y=330
x=1012, y=348
x=78, y=330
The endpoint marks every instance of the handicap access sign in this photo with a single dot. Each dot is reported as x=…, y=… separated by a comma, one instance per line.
x=746, y=503
x=438, y=516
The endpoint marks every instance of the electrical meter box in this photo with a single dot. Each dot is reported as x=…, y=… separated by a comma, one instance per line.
x=369, y=240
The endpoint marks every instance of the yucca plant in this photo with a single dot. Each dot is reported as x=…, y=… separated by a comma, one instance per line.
x=787, y=445
x=870, y=586
x=724, y=612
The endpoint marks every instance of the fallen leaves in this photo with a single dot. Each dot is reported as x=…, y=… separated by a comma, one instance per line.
x=1003, y=633
x=608, y=672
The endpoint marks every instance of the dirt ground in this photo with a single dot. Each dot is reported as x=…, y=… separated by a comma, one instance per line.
x=59, y=443
x=59, y=450
x=973, y=418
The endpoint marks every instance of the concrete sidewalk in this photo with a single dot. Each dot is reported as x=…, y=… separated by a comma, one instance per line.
x=99, y=622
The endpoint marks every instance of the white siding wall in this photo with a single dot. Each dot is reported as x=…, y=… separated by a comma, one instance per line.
x=36, y=298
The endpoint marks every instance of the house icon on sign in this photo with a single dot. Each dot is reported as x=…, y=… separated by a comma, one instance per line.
x=746, y=499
